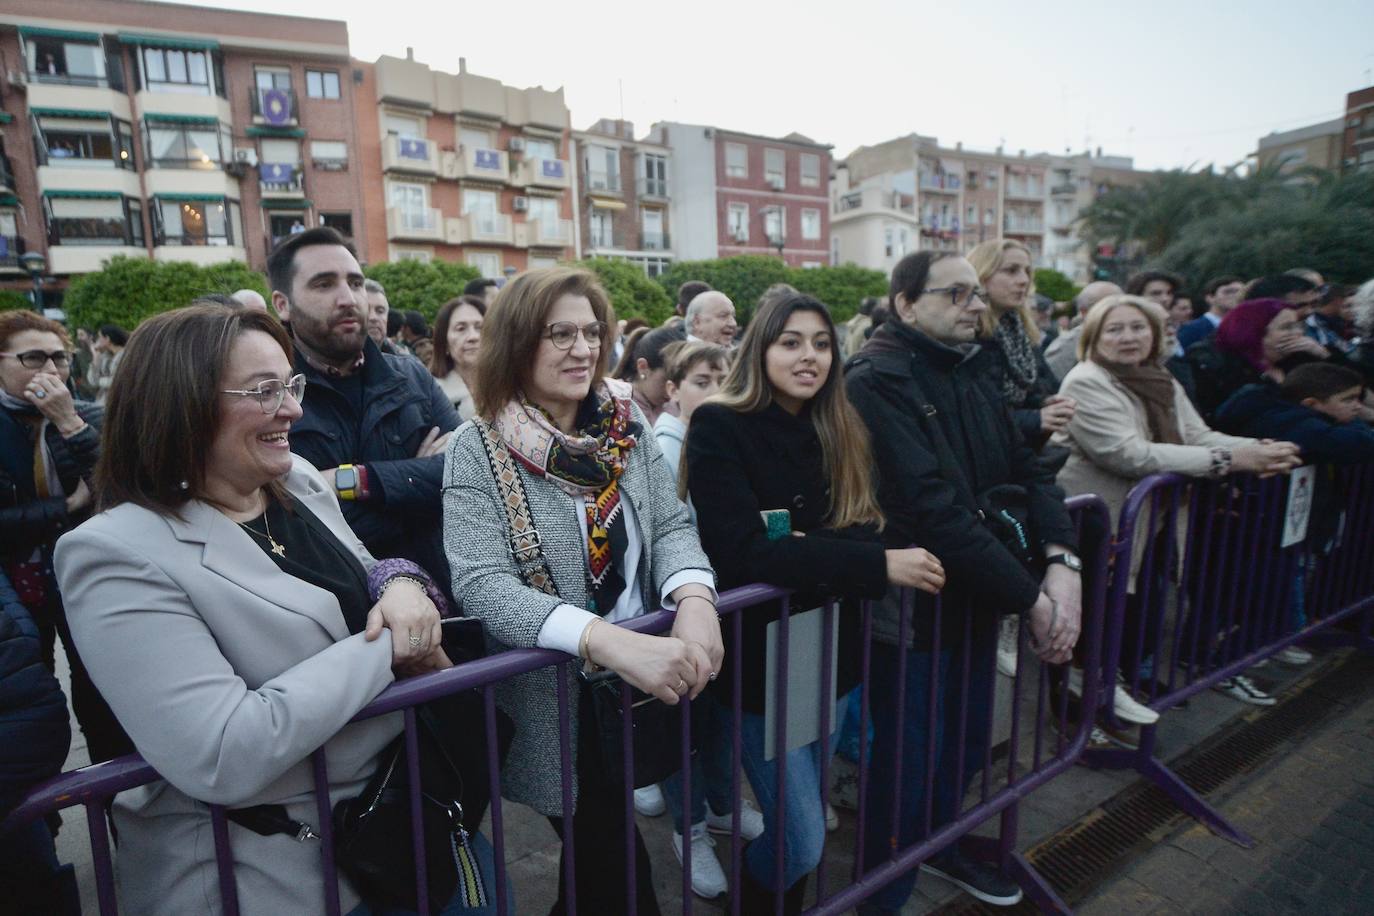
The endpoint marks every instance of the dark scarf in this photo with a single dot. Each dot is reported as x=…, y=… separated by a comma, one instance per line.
x=1022, y=369
x=1154, y=385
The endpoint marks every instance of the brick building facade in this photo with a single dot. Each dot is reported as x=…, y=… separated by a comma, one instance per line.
x=622, y=196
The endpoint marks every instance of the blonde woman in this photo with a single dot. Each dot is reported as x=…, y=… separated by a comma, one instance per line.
x=782, y=435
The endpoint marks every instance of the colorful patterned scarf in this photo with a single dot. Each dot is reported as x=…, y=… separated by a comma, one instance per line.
x=585, y=464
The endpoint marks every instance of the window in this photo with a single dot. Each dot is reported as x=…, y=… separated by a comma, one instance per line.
x=98, y=221
x=537, y=262
x=655, y=176
x=888, y=235
x=736, y=160
x=186, y=146
x=322, y=84
x=474, y=138
x=135, y=208
x=737, y=222
x=331, y=155
x=540, y=148
x=775, y=224
x=487, y=262
x=971, y=216
x=655, y=239
x=775, y=167
x=176, y=70
x=654, y=267
x=483, y=208
x=340, y=222
x=76, y=63
x=414, y=254
x=811, y=224
x=544, y=210
x=810, y=170
x=279, y=165
x=602, y=234
x=992, y=178
x=603, y=168
x=403, y=125
x=411, y=200
x=989, y=216
x=194, y=222
x=272, y=78
x=280, y=225
x=84, y=142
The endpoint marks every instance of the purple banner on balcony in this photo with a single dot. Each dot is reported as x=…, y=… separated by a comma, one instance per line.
x=489, y=159
x=551, y=168
x=277, y=172
x=412, y=148
x=276, y=106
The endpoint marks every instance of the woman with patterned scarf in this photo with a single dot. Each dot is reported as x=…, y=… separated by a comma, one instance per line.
x=614, y=538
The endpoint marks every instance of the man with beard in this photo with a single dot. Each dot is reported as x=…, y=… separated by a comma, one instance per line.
x=375, y=424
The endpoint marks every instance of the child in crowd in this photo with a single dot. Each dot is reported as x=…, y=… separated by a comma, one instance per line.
x=694, y=373
x=1316, y=407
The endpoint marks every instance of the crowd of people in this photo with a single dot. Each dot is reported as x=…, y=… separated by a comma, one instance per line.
x=250, y=515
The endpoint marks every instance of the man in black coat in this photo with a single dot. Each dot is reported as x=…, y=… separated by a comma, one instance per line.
x=375, y=424
x=948, y=453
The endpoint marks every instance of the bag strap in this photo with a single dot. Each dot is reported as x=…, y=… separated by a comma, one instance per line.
x=525, y=546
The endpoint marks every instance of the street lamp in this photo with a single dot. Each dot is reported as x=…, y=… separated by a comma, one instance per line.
x=35, y=264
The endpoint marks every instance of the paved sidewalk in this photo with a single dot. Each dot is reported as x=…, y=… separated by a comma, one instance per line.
x=1311, y=809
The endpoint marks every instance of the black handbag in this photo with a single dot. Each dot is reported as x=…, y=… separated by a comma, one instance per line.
x=655, y=728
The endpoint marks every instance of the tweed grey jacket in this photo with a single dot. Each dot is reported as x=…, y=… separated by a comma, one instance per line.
x=487, y=583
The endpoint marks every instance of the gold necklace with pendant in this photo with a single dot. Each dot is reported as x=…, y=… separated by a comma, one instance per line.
x=278, y=549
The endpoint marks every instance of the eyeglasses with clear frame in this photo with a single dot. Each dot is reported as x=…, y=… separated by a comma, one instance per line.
x=563, y=334
x=37, y=359
x=959, y=295
x=271, y=393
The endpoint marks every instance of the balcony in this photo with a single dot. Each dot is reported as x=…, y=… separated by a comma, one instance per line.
x=482, y=229
x=274, y=107
x=545, y=173
x=657, y=242
x=409, y=224
x=1023, y=226
x=410, y=154
x=281, y=179
x=1067, y=187
x=597, y=240
x=11, y=247
x=603, y=182
x=1025, y=191
x=651, y=188
x=6, y=175
x=941, y=184
x=477, y=163
x=550, y=233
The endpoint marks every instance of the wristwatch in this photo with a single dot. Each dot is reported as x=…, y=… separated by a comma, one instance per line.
x=1066, y=559
x=346, y=481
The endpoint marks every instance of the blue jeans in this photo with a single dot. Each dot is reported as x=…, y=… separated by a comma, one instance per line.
x=486, y=858
x=804, y=820
x=889, y=830
x=710, y=768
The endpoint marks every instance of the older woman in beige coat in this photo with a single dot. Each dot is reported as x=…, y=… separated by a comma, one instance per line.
x=1133, y=420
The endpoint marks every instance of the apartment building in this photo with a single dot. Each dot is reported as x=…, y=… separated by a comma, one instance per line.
x=1075, y=181
x=1317, y=145
x=471, y=170
x=623, y=196
x=1358, y=137
x=736, y=193
x=170, y=132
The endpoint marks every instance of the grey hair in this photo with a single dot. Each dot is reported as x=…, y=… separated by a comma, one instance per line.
x=1363, y=304
x=698, y=305
x=372, y=286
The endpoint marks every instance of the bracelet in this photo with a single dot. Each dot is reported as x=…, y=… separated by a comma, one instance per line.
x=1221, y=462
x=399, y=578
x=584, y=650
x=701, y=598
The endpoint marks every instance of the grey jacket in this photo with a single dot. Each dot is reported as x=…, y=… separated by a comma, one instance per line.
x=227, y=673
x=487, y=583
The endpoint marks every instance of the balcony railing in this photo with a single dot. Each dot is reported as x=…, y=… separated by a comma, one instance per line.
x=551, y=232
x=281, y=178
x=274, y=107
x=1033, y=191
x=602, y=240
x=11, y=247
x=71, y=79
x=603, y=181
x=1023, y=225
x=1067, y=187
x=658, y=242
x=489, y=227
x=547, y=173
x=651, y=187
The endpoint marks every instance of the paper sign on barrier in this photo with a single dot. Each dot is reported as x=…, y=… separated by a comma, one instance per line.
x=1300, y=486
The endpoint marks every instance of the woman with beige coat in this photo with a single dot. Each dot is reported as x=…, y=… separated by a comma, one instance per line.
x=1133, y=420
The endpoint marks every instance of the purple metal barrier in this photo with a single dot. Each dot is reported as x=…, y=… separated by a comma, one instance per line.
x=1188, y=611
x=1030, y=764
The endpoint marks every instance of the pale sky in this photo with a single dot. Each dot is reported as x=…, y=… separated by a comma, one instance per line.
x=1170, y=82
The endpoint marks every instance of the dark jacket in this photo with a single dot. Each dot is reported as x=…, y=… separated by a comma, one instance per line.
x=739, y=465
x=34, y=729
x=894, y=375
x=1260, y=412
x=1181, y=369
x=26, y=521
x=1199, y=329
x=1217, y=375
x=401, y=402
x=1026, y=414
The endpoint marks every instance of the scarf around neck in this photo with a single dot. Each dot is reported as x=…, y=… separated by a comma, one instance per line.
x=1154, y=385
x=1023, y=371
x=586, y=464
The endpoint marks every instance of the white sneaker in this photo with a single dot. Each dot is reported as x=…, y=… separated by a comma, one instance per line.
x=1007, y=640
x=1294, y=656
x=832, y=819
x=649, y=801
x=750, y=821
x=1242, y=688
x=1125, y=706
x=708, y=878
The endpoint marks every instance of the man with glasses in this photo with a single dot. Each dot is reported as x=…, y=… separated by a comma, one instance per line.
x=946, y=448
x=375, y=424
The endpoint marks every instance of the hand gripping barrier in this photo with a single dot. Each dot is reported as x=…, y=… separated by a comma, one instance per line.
x=994, y=771
x=1203, y=588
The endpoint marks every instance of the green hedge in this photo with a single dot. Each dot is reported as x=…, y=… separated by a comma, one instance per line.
x=1052, y=283
x=632, y=293
x=419, y=285
x=745, y=278
x=128, y=290
x=14, y=299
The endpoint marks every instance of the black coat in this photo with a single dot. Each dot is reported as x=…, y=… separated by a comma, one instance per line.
x=739, y=465
x=34, y=729
x=401, y=402
x=1026, y=413
x=901, y=369
x=26, y=521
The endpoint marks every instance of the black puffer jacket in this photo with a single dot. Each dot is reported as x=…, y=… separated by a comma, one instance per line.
x=1026, y=413
x=893, y=376
x=26, y=521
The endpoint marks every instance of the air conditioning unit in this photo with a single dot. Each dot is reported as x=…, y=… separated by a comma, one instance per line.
x=516, y=145
x=16, y=78
x=520, y=204
x=776, y=183
x=247, y=155
x=236, y=169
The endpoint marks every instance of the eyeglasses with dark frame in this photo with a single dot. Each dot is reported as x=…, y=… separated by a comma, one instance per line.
x=563, y=334
x=959, y=295
x=37, y=359
x=270, y=393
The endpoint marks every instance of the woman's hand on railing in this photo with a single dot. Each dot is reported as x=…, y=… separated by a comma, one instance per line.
x=697, y=624
x=435, y=660
x=915, y=567
x=661, y=665
x=413, y=619
x=1265, y=458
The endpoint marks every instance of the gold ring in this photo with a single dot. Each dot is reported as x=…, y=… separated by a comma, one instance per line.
x=681, y=685
x=416, y=640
